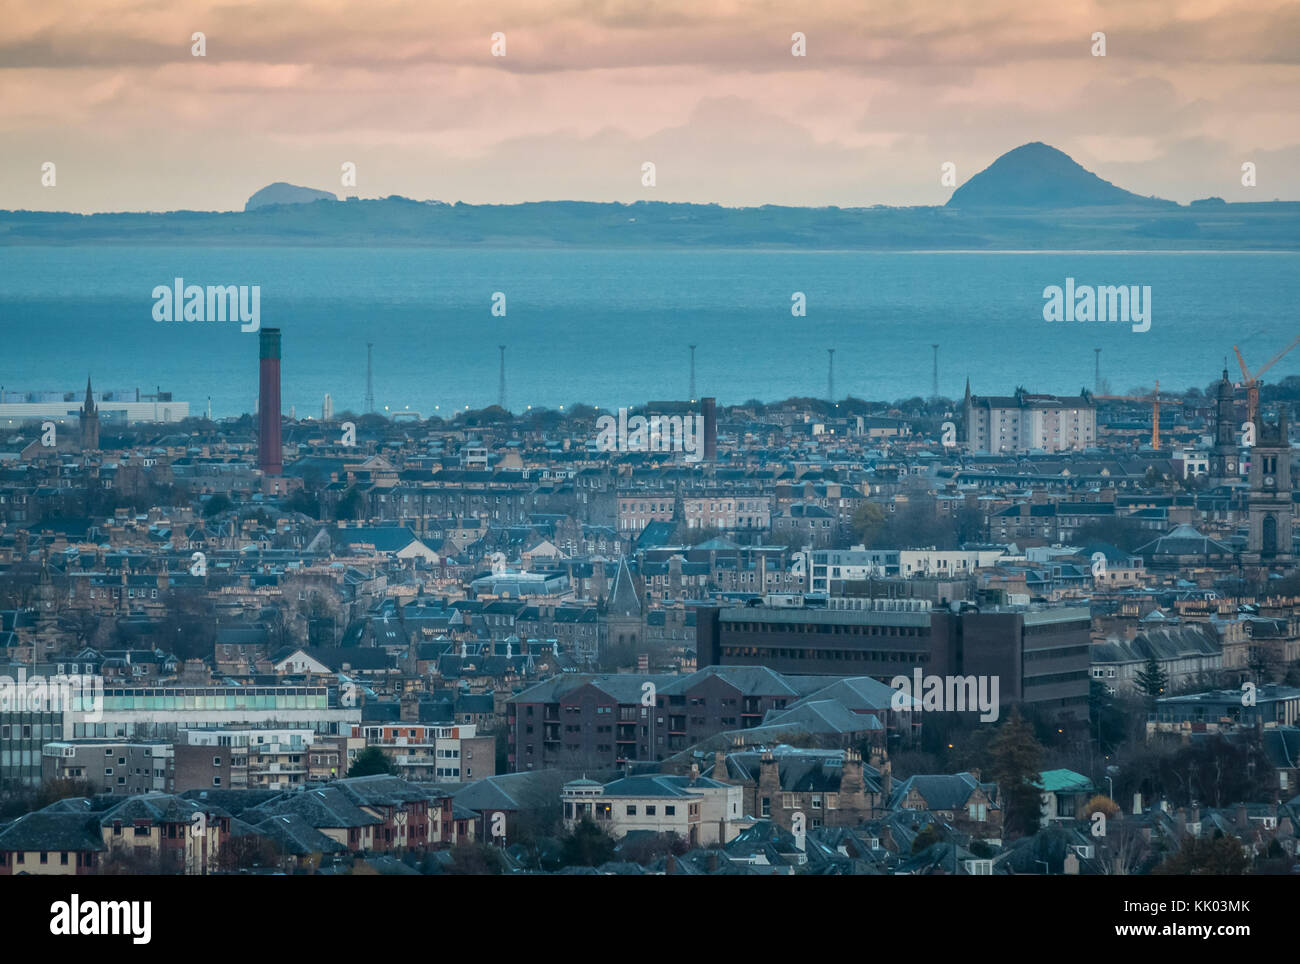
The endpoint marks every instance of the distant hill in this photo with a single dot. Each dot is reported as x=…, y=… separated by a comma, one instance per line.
x=283, y=193
x=1033, y=198
x=1038, y=176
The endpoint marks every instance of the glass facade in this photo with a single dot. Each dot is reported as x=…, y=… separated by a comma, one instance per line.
x=216, y=698
x=22, y=735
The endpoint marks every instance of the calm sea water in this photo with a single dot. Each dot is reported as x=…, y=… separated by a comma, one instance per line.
x=612, y=327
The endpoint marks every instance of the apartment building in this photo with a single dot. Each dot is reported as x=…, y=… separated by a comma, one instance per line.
x=609, y=720
x=109, y=766
x=434, y=754
x=860, y=564
x=1025, y=422
x=164, y=711
x=269, y=758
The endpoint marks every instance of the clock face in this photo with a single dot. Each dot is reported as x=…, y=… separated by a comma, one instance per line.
x=1268, y=480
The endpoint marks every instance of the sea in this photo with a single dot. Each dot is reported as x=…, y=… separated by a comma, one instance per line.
x=614, y=327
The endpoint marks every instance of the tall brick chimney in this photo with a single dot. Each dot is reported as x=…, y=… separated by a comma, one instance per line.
x=269, y=459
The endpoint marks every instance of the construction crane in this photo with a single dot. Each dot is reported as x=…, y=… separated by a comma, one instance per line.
x=1155, y=400
x=1252, y=381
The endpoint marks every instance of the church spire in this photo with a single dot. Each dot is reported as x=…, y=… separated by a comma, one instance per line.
x=89, y=421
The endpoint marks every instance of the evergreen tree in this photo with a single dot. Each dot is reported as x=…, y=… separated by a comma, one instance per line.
x=370, y=762
x=587, y=846
x=1153, y=681
x=1017, y=759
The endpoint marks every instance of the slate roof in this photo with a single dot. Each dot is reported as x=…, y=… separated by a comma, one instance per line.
x=651, y=785
x=1162, y=642
x=323, y=807
x=52, y=831
x=823, y=717
x=158, y=808
x=941, y=791
x=799, y=770
x=294, y=835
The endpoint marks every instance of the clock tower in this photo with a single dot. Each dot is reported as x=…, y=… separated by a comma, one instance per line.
x=1269, y=503
x=1224, y=467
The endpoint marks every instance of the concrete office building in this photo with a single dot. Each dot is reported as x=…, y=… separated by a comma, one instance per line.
x=1039, y=655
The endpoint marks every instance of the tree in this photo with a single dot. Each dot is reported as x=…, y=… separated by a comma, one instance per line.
x=587, y=846
x=216, y=505
x=1109, y=717
x=349, y=506
x=476, y=859
x=868, y=522
x=369, y=762
x=969, y=525
x=927, y=838
x=1152, y=680
x=1121, y=532
x=246, y=851
x=53, y=791
x=1219, y=856
x=1100, y=804
x=1123, y=851
x=300, y=501
x=81, y=623
x=1017, y=761
x=649, y=848
x=124, y=861
x=1263, y=661
x=189, y=630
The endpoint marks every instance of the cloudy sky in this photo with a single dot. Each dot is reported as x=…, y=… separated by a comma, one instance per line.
x=707, y=90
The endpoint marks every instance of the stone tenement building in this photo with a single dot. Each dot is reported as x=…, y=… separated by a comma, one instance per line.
x=1023, y=422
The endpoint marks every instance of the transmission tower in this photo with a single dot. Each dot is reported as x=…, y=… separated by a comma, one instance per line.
x=501, y=382
x=370, y=383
